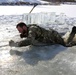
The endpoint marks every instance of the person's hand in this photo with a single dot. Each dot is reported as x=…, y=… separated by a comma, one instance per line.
x=21, y=35
x=11, y=43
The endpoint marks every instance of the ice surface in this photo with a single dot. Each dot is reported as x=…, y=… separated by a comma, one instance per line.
x=30, y=60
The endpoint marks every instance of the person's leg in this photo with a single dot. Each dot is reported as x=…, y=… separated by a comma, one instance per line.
x=72, y=34
x=70, y=41
x=56, y=37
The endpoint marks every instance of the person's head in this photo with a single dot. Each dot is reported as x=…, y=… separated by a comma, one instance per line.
x=22, y=27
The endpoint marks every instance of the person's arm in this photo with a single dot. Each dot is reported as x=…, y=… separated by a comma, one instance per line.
x=30, y=40
x=25, y=42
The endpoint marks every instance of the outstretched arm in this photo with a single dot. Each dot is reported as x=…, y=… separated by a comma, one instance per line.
x=20, y=43
x=30, y=40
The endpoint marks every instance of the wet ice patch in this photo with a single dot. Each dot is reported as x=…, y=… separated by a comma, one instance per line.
x=32, y=55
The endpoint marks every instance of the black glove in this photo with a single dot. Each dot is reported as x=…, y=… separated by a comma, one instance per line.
x=21, y=35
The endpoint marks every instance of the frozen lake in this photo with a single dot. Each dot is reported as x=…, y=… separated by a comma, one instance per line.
x=30, y=60
x=38, y=61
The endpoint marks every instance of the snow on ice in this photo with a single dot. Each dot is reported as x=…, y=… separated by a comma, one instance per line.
x=30, y=60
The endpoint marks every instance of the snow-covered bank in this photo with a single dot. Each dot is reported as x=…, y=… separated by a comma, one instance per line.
x=68, y=10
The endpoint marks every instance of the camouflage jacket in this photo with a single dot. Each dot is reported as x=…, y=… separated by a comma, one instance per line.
x=38, y=35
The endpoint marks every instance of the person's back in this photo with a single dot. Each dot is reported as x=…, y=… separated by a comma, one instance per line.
x=45, y=36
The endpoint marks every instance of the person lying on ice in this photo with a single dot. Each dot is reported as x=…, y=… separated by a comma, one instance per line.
x=36, y=35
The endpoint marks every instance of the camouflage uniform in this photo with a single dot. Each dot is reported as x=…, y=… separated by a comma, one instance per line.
x=41, y=36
